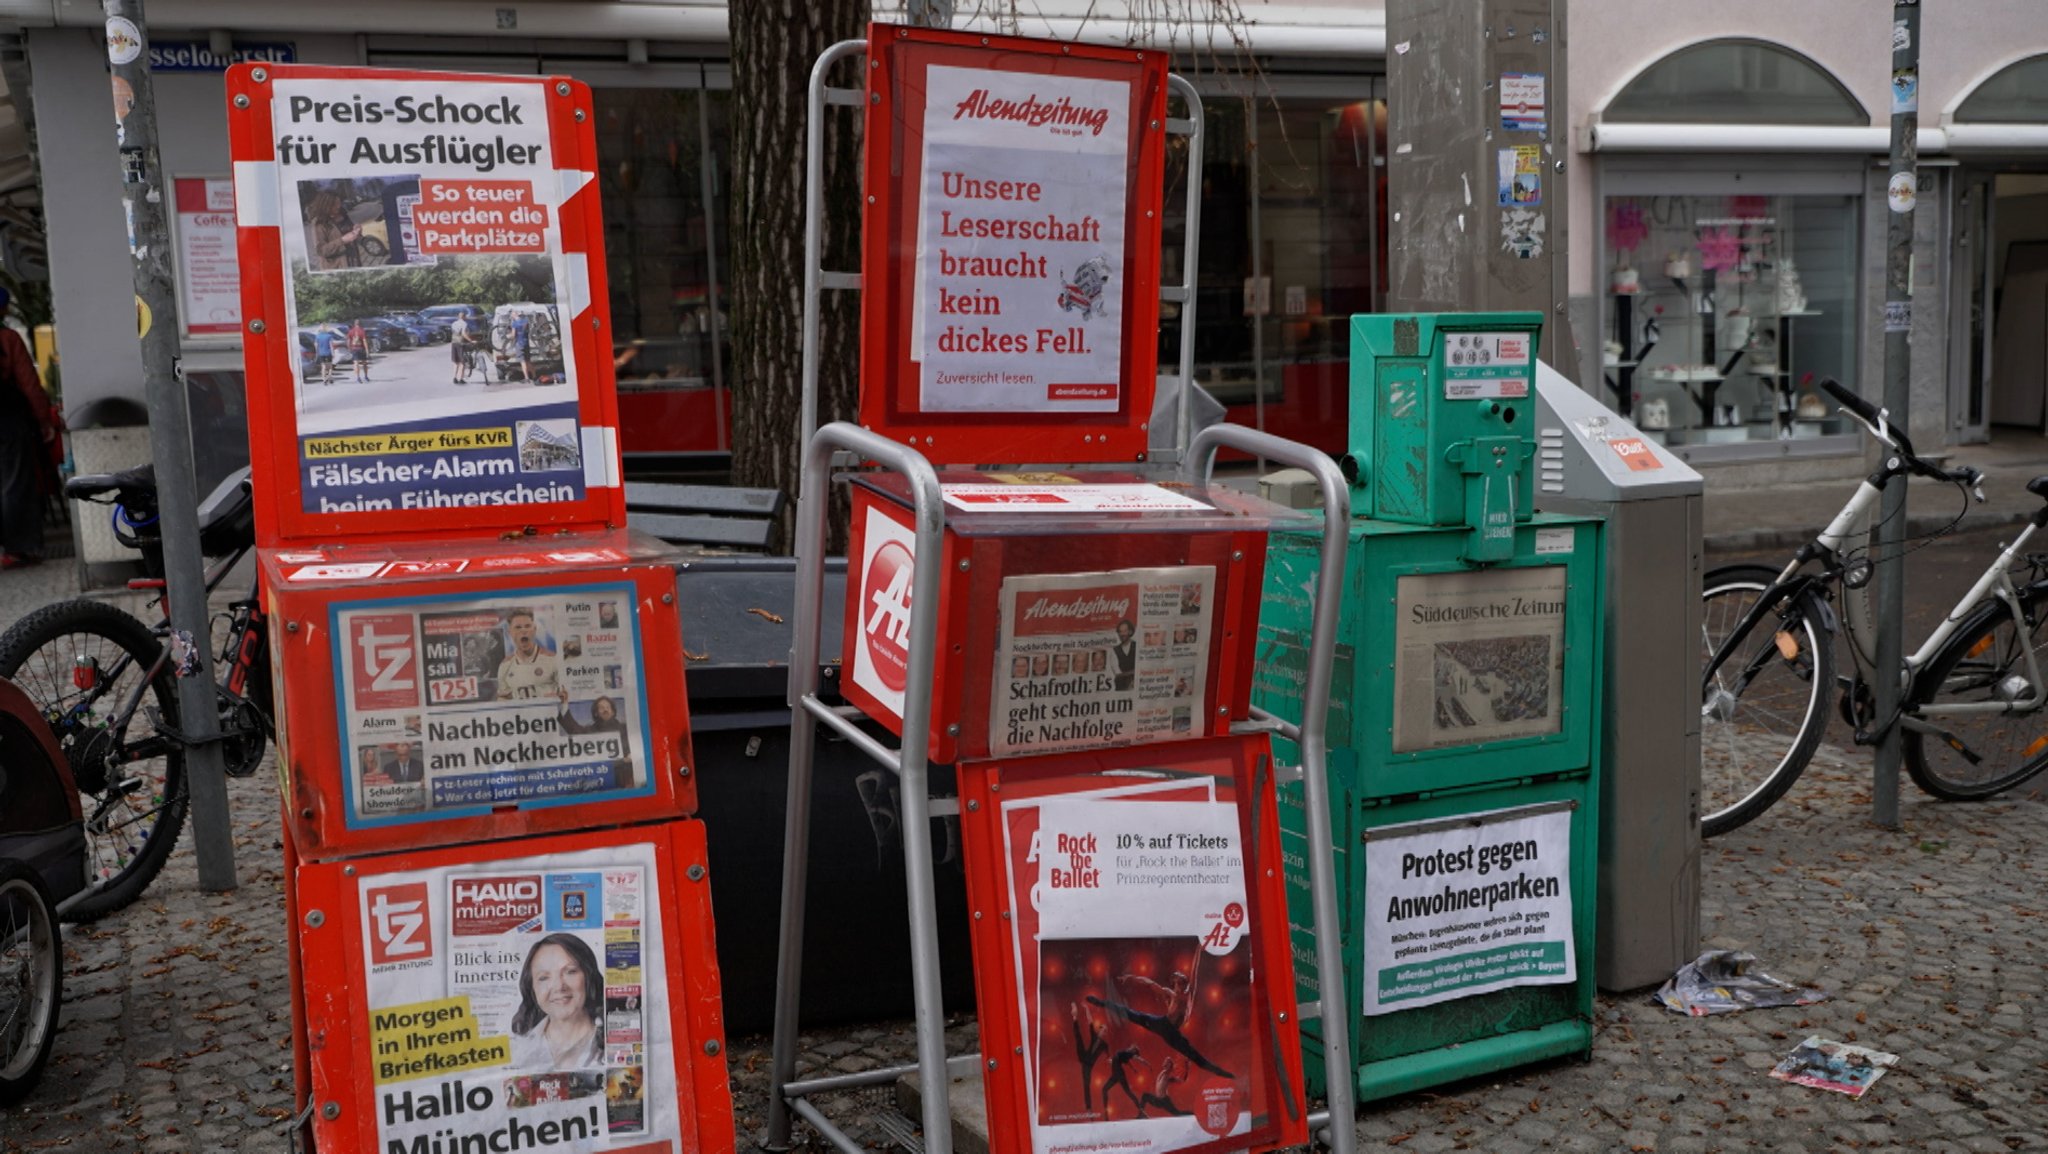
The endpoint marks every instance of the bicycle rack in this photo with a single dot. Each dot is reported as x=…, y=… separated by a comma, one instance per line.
x=790, y=1098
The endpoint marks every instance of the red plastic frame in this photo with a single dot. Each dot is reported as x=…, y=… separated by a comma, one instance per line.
x=311, y=765
x=332, y=1027
x=969, y=610
x=898, y=58
x=270, y=353
x=1244, y=764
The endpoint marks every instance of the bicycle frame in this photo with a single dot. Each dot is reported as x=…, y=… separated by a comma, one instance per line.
x=1995, y=581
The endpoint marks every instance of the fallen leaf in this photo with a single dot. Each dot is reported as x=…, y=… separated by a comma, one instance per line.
x=763, y=613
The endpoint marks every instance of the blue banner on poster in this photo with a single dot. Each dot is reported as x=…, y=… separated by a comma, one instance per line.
x=508, y=457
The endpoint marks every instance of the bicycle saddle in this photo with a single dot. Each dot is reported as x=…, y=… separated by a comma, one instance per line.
x=227, y=517
x=86, y=486
x=2039, y=486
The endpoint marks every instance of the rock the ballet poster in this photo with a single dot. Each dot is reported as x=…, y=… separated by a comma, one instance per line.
x=1132, y=946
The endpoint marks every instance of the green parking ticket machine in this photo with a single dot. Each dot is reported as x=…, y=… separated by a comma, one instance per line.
x=1463, y=735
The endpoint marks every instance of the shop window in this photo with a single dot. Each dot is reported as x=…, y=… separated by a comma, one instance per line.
x=2016, y=94
x=1735, y=82
x=1293, y=230
x=1724, y=311
x=660, y=230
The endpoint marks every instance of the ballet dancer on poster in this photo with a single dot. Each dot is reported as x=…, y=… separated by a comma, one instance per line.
x=1120, y=1075
x=1087, y=1053
x=1170, y=1026
x=1172, y=1073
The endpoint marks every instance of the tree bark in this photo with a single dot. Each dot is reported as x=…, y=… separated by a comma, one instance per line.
x=774, y=45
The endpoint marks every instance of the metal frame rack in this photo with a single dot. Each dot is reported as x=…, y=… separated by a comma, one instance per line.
x=791, y=1098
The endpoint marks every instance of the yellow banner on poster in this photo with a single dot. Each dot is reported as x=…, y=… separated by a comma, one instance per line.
x=431, y=1040
x=385, y=444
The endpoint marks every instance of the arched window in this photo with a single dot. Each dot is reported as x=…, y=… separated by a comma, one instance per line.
x=2016, y=94
x=1735, y=82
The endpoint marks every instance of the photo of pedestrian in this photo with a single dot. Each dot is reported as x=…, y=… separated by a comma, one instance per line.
x=1126, y=653
x=323, y=354
x=359, y=351
x=31, y=450
x=559, y=1023
x=336, y=240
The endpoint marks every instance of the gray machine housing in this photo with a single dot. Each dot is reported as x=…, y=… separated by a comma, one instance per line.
x=1649, y=891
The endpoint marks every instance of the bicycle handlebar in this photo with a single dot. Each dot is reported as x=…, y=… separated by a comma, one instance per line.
x=1876, y=421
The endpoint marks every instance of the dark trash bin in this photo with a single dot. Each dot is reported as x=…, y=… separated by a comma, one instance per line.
x=737, y=616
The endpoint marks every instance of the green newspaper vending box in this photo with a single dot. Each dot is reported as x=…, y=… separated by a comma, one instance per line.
x=1463, y=741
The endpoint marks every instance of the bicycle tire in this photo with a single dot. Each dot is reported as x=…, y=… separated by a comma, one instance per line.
x=31, y=979
x=1756, y=741
x=1982, y=662
x=135, y=809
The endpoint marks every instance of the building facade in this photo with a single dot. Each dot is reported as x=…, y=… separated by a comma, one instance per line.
x=1726, y=199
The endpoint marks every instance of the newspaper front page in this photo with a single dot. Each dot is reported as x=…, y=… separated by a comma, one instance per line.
x=456, y=704
x=520, y=1005
x=1479, y=656
x=1085, y=660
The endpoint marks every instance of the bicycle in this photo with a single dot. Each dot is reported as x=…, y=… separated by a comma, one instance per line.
x=1764, y=690
x=108, y=686
x=31, y=978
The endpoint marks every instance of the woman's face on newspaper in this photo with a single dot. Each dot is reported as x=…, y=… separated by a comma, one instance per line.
x=557, y=983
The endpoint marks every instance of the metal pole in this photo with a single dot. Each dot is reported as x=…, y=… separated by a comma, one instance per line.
x=1901, y=190
x=1311, y=737
x=170, y=437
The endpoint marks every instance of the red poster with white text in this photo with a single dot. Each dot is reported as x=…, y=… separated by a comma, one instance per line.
x=1136, y=961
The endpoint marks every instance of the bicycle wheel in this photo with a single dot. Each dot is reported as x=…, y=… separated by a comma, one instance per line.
x=1763, y=710
x=31, y=979
x=1978, y=754
x=130, y=777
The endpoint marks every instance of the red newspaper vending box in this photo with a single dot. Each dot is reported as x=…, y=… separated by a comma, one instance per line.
x=501, y=924
x=1075, y=612
x=550, y=993
x=524, y=687
x=1133, y=978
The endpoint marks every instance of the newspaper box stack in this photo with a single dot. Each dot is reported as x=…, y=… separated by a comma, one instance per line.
x=501, y=925
x=1075, y=641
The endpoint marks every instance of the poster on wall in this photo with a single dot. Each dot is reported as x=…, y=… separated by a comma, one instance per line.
x=1020, y=249
x=1085, y=660
x=426, y=290
x=1478, y=656
x=1132, y=946
x=1467, y=907
x=459, y=705
x=209, y=275
x=521, y=1005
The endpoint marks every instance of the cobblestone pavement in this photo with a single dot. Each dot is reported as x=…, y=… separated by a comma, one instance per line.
x=176, y=1030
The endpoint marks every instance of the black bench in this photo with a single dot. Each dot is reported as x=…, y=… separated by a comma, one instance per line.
x=704, y=514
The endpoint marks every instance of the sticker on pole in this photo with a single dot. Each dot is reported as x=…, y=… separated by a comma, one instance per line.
x=1458, y=909
x=520, y=1005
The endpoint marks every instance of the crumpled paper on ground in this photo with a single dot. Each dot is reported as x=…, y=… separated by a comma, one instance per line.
x=1726, y=982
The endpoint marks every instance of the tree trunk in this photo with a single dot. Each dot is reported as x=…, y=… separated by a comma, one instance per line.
x=774, y=45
